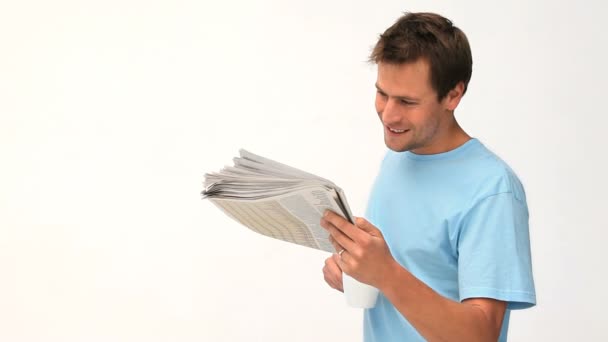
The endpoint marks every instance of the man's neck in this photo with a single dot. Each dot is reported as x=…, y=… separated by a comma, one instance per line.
x=453, y=138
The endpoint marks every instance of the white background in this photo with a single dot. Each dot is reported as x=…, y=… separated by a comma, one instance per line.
x=112, y=111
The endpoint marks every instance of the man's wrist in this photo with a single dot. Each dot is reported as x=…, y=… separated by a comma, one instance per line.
x=394, y=272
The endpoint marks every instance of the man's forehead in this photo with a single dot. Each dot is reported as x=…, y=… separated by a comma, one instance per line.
x=404, y=79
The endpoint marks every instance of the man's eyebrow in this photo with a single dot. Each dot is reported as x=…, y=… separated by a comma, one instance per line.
x=379, y=89
x=400, y=97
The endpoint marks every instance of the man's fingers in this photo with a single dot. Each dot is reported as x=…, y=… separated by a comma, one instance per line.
x=336, y=245
x=348, y=229
x=332, y=273
x=338, y=236
x=331, y=280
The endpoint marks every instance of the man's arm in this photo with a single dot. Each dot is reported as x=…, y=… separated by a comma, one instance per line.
x=438, y=318
x=368, y=259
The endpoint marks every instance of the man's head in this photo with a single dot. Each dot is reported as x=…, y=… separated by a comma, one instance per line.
x=433, y=38
x=424, y=67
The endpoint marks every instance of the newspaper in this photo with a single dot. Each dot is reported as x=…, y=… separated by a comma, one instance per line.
x=276, y=200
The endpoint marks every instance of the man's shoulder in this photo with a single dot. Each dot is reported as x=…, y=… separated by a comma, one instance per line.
x=493, y=174
x=473, y=171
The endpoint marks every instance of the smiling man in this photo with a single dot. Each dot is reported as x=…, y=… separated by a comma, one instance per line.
x=446, y=241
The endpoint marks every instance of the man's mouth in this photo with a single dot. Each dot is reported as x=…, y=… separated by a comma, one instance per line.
x=396, y=130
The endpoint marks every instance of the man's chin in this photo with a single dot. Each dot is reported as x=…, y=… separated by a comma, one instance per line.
x=397, y=147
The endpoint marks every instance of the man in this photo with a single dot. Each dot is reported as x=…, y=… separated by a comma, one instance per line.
x=447, y=240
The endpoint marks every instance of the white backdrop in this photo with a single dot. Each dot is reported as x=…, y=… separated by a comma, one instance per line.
x=112, y=111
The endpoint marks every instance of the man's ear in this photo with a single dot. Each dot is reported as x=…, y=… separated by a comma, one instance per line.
x=452, y=99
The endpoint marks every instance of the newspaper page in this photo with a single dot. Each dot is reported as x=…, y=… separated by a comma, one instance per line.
x=276, y=200
x=293, y=217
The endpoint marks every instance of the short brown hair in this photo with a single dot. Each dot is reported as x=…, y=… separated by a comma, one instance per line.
x=434, y=38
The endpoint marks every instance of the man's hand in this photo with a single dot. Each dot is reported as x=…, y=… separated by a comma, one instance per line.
x=366, y=256
x=333, y=273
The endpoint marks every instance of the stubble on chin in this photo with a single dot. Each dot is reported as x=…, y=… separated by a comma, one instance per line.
x=398, y=146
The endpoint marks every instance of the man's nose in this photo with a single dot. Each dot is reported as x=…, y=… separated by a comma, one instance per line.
x=391, y=111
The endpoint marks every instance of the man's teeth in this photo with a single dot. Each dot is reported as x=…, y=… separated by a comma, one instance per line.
x=397, y=130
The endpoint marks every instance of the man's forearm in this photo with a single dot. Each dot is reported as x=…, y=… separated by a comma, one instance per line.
x=435, y=317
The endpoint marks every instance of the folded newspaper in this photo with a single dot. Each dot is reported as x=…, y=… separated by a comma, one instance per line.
x=276, y=200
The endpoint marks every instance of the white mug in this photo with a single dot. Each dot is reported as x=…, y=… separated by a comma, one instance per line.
x=358, y=294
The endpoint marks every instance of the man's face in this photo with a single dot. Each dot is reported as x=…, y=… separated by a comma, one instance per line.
x=414, y=120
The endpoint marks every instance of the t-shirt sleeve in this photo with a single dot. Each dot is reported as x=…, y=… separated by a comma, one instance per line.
x=494, y=252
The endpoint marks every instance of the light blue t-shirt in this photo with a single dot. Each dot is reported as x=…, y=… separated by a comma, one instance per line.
x=458, y=221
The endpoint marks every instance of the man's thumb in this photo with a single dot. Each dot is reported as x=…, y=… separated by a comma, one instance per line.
x=367, y=226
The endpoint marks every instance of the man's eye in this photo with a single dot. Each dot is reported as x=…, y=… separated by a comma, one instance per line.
x=409, y=103
x=381, y=94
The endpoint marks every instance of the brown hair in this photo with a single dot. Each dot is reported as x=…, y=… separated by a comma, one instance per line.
x=434, y=38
